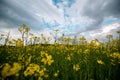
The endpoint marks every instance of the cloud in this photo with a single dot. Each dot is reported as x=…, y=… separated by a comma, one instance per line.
x=72, y=17
x=101, y=33
x=96, y=11
x=29, y=12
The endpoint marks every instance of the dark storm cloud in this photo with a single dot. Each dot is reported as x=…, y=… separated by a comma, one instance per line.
x=99, y=10
x=14, y=14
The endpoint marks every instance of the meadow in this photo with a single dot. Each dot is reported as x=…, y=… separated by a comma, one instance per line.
x=69, y=60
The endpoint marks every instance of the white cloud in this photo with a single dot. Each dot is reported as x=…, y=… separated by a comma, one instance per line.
x=101, y=33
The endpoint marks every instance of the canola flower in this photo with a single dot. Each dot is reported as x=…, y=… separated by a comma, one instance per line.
x=31, y=69
x=46, y=75
x=100, y=61
x=115, y=55
x=9, y=70
x=42, y=53
x=40, y=78
x=68, y=58
x=76, y=67
x=56, y=74
x=87, y=51
x=47, y=59
x=41, y=72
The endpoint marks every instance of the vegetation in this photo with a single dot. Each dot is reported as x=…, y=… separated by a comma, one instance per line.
x=33, y=58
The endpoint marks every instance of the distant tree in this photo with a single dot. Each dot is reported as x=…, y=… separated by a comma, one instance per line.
x=7, y=38
x=63, y=38
x=24, y=30
x=56, y=32
x=109, y=36
x=118, y=32
x=74, y=40
x=67, y=40
x=82, y=39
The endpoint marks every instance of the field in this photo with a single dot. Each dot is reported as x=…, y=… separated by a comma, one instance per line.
x=66, y=59
x=60, y=62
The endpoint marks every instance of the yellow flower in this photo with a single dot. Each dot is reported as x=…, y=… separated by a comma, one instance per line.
x=48, y=60
x=46, y=76
x=87, y=51
x=40, y=78
x=31, y=69
x=8, y=70
x=5, y=70
x=41, y=73
x=116, y=55
x=68, y=58
x=17, y=74
x=44, y=60
x=100, y=62
x=42, y=53
x=44, y=69
x=76, y=67
x=56, y=73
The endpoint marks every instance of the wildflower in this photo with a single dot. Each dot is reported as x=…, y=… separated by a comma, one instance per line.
x=48, y=60
x=31, y=69
x=100, y=62
x=44, y=60
x=42, y=53
x=40, y=78
x=5, y=70
x=9, y=70
x=56, y=74
x=17, y=74
x=68, y=58
x=41, y=73
x=115, y=55
x=87, y=51
x=76, y=67
x=46, y=76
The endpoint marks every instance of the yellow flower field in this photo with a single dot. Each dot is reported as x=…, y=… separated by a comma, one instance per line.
x=82, y=61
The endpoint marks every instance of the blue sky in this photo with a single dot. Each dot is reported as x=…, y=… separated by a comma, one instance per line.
x=71, y=17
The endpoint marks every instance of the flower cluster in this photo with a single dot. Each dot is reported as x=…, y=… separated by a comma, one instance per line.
x=9, y=70
x=31, y=69
x=76, y=67
x=46, y=59
x=100, y=61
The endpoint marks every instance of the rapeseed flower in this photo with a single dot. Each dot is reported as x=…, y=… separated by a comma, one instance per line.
x=40, y=78
x=47, y=60
x=100, y=61
x=44, y=60
x=56, y=74
x=9, y=70
x=46, y=75
x=68, y=58
x=41, y=72
x=76, y=67
x=31, y=69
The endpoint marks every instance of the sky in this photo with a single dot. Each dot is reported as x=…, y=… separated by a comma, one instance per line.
x=89, y=18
